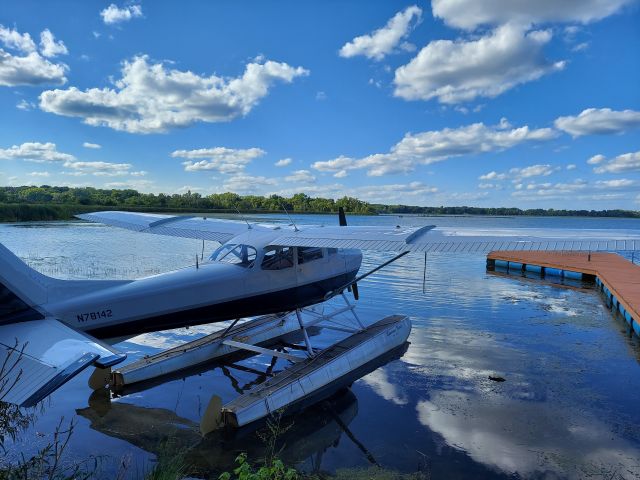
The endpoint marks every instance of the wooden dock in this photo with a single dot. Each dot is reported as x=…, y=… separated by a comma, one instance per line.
x=617, y=277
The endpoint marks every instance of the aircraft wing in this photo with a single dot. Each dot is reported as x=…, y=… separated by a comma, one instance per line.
x=172, y=225
x=442, y=239
x=38, y=356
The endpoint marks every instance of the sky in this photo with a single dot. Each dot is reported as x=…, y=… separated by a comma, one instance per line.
x=450, y=102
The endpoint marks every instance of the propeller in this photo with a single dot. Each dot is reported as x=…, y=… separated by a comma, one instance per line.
x=342, y=221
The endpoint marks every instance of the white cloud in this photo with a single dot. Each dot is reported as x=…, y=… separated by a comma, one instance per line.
x=571, y=166
x=25, y=105
x=91, y=145
x=220, y=159
x=617, y=183
x=469, y=14
x=599, y=121
x=283, y=162
x=12, y=39
x=340, y=174
x=320, y=96
x=247, y=183
x=35, y=152
x=627, y=162
x=48, y=45
x=99, y=169
x=434, y=146
x=26, y=66
x=596, y=159
x=551, y=190
x=493, y=175
x=580, y=47
x=463, y=70
x=137, y=184
x=384, y=40
x=113, y=14
x=150, y=99
x=300, y=176
x=39, y=174
x=532, y=171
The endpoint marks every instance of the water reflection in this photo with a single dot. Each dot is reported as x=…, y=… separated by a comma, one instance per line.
x=304, y=439
x=568, y=407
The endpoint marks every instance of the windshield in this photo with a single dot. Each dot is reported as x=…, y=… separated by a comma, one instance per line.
x=241, y=255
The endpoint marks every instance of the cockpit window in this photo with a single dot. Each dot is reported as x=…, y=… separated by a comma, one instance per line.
x=308, y=254
x=241, y=255
x=278, y=258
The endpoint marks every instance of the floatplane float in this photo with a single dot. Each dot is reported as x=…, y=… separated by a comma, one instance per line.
x=52, y=329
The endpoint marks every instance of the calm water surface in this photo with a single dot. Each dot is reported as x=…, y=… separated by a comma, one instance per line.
x=569, y=408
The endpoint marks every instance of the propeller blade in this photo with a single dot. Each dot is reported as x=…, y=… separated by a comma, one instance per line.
x=212, y=418
x=356, y=293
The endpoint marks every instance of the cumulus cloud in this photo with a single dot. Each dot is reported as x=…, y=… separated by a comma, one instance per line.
x=48, y=153
x=301, y=176
x=616, y=183
x=283, y=162
x=551, y=190
x=627, y=162
x=49, y=47
x=493, y=175
x=247, y=183
x=220, y=159
x=24, y=65
x=434, y=146
x=469, y=14
x=599, y=121
x=35, y=152
x=383, y=41
x=463, y=70
x=91, y=145
x=99, y=169
x=571, y=166
x=596, y=159
x=517, y=174
x=150, y=98
x=114, y=14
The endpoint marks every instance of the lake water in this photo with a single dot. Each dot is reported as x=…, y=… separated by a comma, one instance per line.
x=569, y=406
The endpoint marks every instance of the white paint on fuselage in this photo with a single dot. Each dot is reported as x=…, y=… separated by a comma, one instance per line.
x=190, y=287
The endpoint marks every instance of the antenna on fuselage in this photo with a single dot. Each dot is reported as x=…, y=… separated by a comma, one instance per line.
x=242, y=217
x=290, y=219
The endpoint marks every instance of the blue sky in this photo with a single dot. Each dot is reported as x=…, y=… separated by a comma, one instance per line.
x=449, y=102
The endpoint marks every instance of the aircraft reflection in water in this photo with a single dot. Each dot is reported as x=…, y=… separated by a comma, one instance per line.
x=306, y=436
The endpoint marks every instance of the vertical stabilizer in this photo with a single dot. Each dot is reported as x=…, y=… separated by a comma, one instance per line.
x=22, y=289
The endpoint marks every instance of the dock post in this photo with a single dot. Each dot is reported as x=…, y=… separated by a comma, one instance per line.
x=307, y=342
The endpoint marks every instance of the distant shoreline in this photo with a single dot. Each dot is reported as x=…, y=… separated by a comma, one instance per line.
x=30, y=203
x=14, y=213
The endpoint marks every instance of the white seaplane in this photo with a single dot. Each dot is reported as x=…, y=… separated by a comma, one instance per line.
x=51, y=329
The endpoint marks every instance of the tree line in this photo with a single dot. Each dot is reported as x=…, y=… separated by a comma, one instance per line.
x=50, y=202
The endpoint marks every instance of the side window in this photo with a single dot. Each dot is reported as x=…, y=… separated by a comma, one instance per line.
x=278, y=259
x=308, y=254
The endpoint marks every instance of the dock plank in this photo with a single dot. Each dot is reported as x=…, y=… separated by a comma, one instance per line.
x=618, y=274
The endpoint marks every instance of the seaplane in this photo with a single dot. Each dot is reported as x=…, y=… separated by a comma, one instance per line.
x=52, y=329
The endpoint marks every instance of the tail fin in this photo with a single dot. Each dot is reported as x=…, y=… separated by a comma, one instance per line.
x=22, y=289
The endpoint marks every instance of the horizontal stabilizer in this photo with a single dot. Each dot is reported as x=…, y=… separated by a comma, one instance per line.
x=37, y=357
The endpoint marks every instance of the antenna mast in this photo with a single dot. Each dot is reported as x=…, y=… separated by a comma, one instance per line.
x=290, y=219
x=242, y=217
